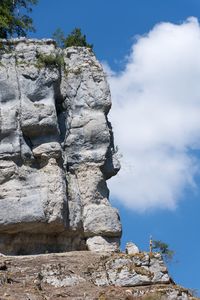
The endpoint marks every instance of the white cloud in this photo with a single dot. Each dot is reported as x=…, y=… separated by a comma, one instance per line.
x=156, y=117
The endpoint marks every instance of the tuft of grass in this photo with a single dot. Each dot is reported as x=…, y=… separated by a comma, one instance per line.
x=154, y=296
x=102, y=297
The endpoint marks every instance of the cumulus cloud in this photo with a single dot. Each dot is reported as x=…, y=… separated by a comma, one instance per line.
x=156, y=117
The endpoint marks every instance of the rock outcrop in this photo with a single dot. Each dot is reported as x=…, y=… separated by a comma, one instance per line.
x=56, y=150
x=88, y=275
x=56, y=153
x=131, y=270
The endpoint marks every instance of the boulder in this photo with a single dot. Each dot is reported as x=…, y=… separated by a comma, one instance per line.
x=131, y=248
x=102, y=244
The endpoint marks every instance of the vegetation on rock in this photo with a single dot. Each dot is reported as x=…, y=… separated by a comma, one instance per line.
x=75, y=38
x=14, y=19
x=163, y=248
x=50, y=61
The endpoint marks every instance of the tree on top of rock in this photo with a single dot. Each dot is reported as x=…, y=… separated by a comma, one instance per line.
x=14, y=19
x=163, y=248
x=75, y=38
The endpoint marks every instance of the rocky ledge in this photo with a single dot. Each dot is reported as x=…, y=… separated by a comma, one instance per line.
x=85, y=275
x=56, y=150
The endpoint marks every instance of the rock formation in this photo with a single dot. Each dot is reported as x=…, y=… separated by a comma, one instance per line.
x=56, y=150
x=85, y=275
x=56, y=153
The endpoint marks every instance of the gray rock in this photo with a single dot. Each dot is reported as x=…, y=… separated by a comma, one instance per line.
x=131, y=248
x=158, y=268
x=177, y=295
x=132, y=270
x=102, y=244
x=56, y=149
x=58, y=276
x=101, y=220
x=51, y=149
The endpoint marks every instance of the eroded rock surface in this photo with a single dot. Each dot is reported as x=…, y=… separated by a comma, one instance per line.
x=78, y=275
x=132, y=270
x=56, y=149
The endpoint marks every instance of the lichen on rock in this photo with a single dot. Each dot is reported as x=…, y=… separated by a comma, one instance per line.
x=56, y=149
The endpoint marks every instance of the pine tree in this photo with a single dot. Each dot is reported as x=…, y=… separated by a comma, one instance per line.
x=163, y=248
x=76, y=38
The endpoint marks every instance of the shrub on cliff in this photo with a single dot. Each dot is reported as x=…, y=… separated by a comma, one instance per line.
x=75, y=38
x=13, y=18
x=163, y=248
x=50, y=61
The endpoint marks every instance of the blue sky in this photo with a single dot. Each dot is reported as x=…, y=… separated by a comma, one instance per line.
x=124, y=34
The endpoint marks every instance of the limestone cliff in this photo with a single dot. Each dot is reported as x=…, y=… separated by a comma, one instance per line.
x=56, y=153
x=56, y=150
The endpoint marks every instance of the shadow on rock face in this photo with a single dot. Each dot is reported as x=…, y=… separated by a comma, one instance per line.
x=55, y=151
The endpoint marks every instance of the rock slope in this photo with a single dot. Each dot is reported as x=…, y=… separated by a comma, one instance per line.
x=56, y=150
x=86, y=275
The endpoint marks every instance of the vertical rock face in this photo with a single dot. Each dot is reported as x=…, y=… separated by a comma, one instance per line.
x=56, y=150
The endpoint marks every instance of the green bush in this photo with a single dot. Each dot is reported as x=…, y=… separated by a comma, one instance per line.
x=75, y=38
x=163, y=248
x=13, y=20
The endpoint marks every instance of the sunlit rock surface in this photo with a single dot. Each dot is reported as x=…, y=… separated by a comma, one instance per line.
x=56, y=149
x=88, y=275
